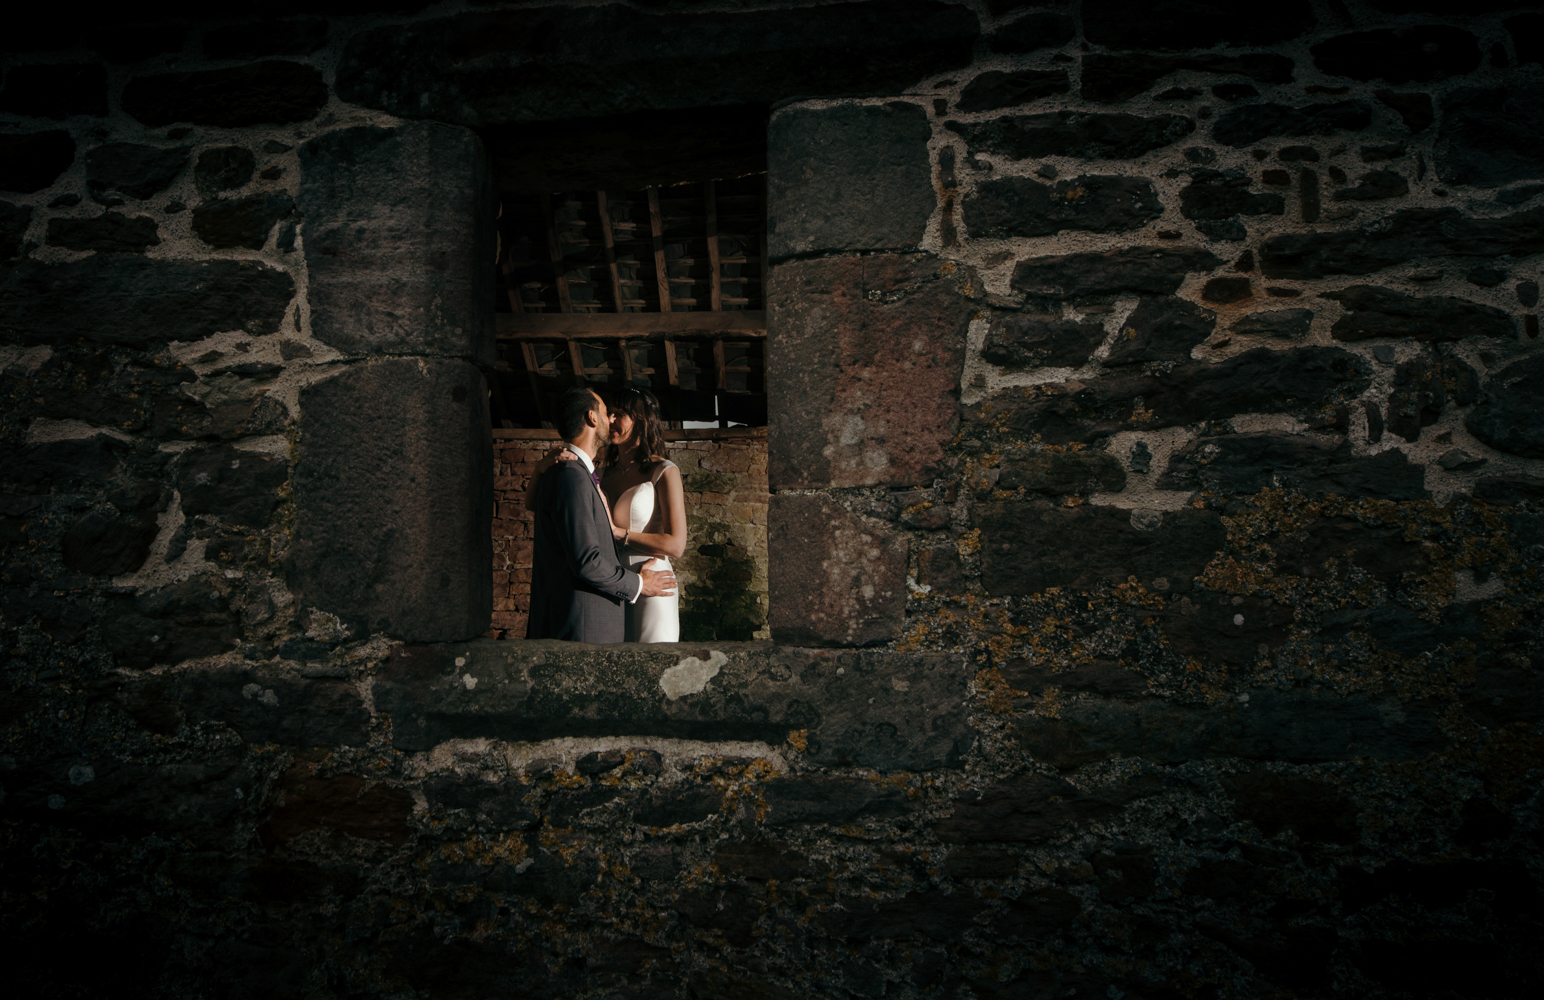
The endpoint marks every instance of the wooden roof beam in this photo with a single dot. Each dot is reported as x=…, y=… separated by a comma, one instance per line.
x=632, y=326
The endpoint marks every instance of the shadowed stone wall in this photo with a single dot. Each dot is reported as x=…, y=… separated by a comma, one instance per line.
x=1155, y=525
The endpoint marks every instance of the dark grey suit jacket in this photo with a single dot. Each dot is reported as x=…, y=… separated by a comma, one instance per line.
x=579, y=587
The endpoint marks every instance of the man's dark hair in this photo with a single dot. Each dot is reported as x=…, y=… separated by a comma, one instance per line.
x=573, y=407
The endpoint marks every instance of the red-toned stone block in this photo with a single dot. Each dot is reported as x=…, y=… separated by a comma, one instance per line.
x=835, y=579
x=864, y=368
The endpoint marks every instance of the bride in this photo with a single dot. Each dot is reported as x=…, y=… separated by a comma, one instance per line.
x=648, y=508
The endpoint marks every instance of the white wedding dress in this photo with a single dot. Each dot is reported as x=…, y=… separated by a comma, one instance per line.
x=650, y=619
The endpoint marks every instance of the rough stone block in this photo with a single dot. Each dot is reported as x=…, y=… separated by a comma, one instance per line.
x=1029, y=340
x=546, y=64
x=264, y=93
x=883, y=710
x=239, y=487
x=1064, y=473
x=1415, y=110
x=271, y=703
x=1034, y=807
x=1247, y=463
x=241, y=222
x=1191, y=24
x=1034, y=31
x=1509, y=491
x=852, y=177
x=1225, y=291
x=1510, y=415
x=1413, y=54
x=1313, y=809
x=1491, y=137
x=1374, y=186
x=31, y=161
x=393, y=495
x=835, y=579
x=105, y=544
x=864, y=367
x=930, y=915
x=1300, y=381
x=110, y=232
x=1249, y=123
x=764, y=859
x=185, y=620
x=1329, y=547
x=1380, y=312
x=488, y=806
x=1151, y=270
x=194, y=799
x=14, y=220
x=1027, y=547
x=1211, y=195
x=1162, y=330
x=76, y=461
x=134, y=301
x=1111, y=79
x=134, y=169
x=398, y=235
x=296, y=36
x=57, y=91
x=1072, y=133
x=1279, y=324
x=341, y=803
x=1421, y=232
x=1018, y=206
x=995, y=89
x=223, y=168
x=1527, y=30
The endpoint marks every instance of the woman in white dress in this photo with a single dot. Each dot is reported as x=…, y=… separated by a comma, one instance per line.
x=648, y=508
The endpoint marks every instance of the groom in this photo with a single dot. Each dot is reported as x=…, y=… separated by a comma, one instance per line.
x=578, y=584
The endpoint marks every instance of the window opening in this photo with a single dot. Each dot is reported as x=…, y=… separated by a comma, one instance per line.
x=657, y=285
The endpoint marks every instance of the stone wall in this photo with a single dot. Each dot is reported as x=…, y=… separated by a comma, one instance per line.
x=1155, y=525
x=723, y=575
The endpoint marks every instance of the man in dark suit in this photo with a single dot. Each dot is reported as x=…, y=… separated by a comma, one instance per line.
x=578, y=585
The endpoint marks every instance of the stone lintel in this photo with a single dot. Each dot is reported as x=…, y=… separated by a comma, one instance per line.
x=892, y=711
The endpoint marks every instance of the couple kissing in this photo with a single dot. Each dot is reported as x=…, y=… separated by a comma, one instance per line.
x=601, y=570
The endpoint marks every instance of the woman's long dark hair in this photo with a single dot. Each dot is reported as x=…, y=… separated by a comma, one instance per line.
x=643, y=406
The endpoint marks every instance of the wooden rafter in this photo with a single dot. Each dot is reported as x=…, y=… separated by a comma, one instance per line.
x=763, y=245
x=611, y=249
x=556, y=251
x=710, y=205
x=672, y=367
x=657, y=227
x=532, y=371
x=512, y=290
